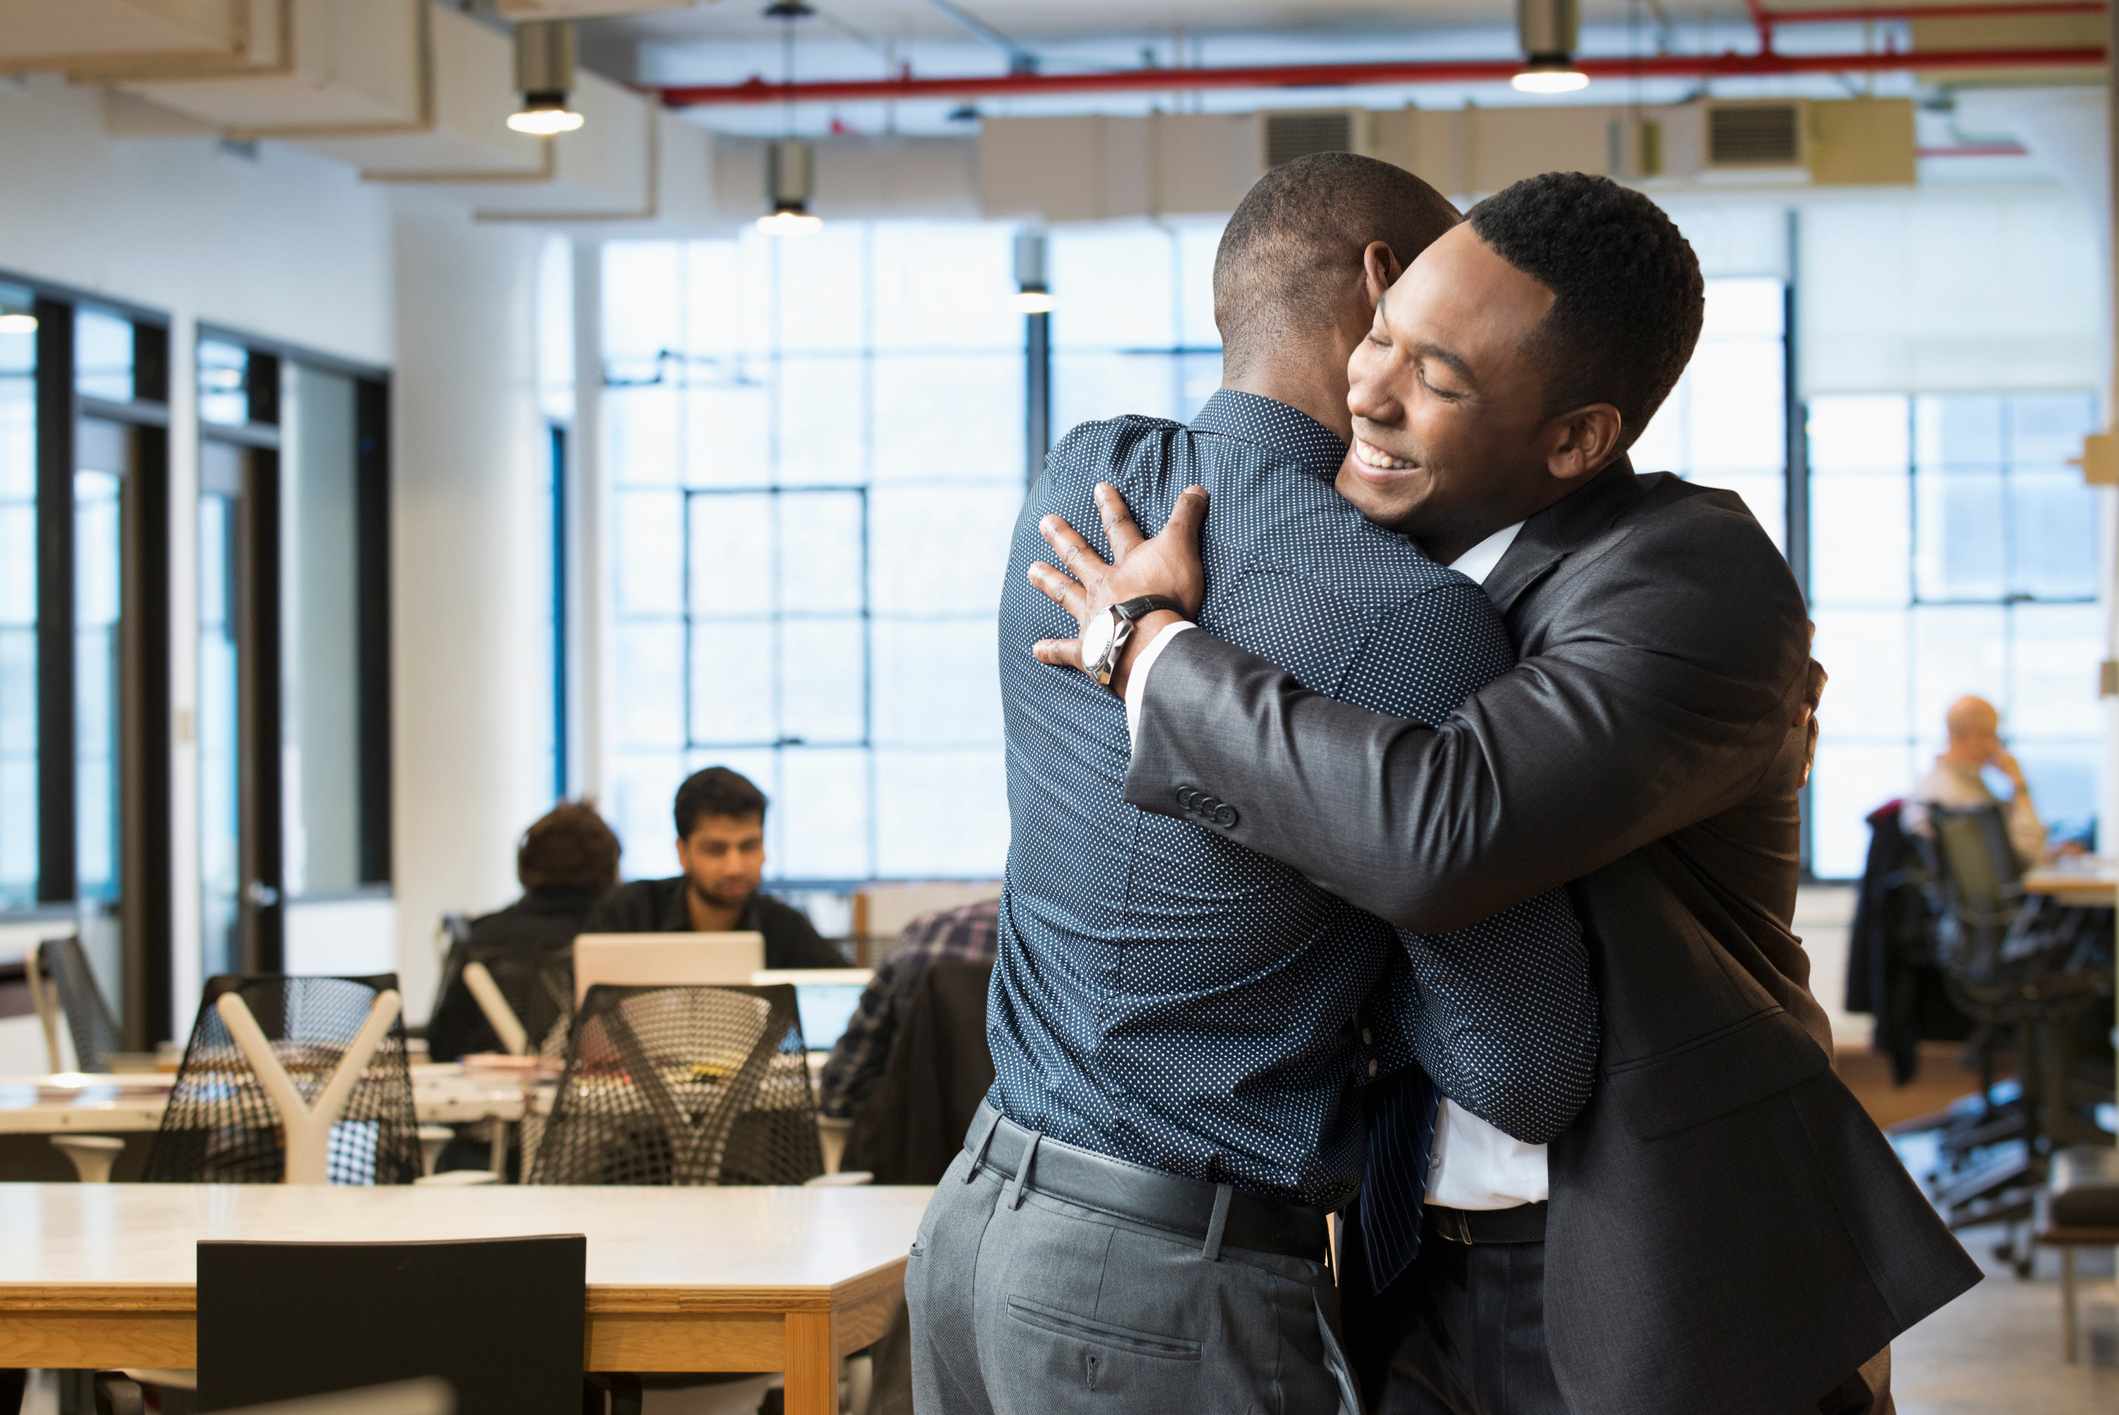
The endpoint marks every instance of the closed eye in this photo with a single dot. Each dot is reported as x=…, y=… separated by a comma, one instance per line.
x=1447, y=395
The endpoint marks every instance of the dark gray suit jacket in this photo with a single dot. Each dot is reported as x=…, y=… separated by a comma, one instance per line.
x=1729, y=1232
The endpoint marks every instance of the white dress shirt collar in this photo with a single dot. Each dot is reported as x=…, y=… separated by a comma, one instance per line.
x=1479, y=562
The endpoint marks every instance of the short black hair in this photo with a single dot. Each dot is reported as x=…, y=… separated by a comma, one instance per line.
x=717, y=791
x=568, y=847
x=1295, y=241
x=1629, y=297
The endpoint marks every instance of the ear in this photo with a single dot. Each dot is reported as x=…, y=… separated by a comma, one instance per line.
x=1581, y=443
x=1380, y=270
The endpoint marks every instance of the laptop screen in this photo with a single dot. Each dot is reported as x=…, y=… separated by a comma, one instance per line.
x=826, y=1008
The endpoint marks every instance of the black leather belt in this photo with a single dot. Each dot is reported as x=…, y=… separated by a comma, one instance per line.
x=1184, y=1207
x=1525, y=1223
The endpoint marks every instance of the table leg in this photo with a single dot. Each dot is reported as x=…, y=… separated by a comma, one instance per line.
x=812, y=1372
x=498, y=1154
x=2067, y=1304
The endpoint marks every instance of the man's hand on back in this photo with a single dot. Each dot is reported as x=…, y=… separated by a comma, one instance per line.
x=1166, y=564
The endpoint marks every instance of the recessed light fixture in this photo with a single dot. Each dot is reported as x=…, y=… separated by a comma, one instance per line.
x=17, y=322
x=544, y=73
x=1549, y=30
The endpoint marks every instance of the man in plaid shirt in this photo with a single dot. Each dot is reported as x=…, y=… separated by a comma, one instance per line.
x=857, y=1061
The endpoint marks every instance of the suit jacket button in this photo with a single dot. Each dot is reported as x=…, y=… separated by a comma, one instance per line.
x=1186, y=796
x=1224, y=815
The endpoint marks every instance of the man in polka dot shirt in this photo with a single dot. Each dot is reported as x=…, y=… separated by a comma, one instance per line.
x=1727, y=1231
x=1181, y=1029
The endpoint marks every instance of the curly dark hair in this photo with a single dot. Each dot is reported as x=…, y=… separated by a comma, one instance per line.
x=1629, y=293
x=717, y=791
x=568, y=847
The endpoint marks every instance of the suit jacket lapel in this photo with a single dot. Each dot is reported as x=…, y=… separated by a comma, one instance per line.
x=1548, y=537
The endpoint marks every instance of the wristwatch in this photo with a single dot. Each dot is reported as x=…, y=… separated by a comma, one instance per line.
x=1104, y=637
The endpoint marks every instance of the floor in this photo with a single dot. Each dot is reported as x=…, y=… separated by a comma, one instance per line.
x=1996, y=1350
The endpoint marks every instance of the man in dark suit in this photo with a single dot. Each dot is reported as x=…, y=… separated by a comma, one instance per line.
x=1726, y=1231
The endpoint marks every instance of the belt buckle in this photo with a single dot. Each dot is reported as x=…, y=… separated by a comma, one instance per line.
x=1456, y=1227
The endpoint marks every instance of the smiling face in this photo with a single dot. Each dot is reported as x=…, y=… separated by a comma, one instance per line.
x=1452, y=439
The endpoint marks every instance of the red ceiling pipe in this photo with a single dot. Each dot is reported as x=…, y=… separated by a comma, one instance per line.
x=1864, y=14
x=1689, y=66
x=1764, y=22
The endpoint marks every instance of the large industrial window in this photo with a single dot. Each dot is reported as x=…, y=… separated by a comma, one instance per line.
x=814, y=450
x=1954, y=551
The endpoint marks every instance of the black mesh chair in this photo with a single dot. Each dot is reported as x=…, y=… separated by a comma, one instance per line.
x=63, y=966
x=683, y=1085
x=2025, y=972
x=221, y=1126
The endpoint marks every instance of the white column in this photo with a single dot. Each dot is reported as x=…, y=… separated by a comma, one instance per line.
x=469, y=475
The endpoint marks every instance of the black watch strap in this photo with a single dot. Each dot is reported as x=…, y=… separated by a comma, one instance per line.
x=1136, y=609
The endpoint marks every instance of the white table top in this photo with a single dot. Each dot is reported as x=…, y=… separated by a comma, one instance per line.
x=133, y=1101
x=641, y=1242
x=2085, y=880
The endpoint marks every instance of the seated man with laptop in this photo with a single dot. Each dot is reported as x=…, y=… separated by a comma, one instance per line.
x=721, y=851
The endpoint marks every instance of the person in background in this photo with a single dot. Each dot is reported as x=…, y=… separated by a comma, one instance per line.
x=857, y=1061
x=567, y=860
x=1957, y=781
x=721, y=851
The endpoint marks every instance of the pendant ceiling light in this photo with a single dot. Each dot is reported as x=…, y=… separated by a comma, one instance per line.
x=790, y=163
x=1549, y=30
x=1033, y=292
x=544, y=74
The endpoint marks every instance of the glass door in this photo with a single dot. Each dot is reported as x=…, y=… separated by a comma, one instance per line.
x=238, y=704
x=221, y=896
x=104, y=465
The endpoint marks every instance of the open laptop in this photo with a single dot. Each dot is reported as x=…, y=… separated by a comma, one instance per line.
x=825, y=998
x=650, y=960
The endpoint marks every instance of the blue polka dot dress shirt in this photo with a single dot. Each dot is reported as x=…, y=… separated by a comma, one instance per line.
x=1169, y=998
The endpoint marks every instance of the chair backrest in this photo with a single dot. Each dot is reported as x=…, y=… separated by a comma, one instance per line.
x=449, y=931
x=911, y=1122
x=221, y=1125
x=537, y=986
x=682, y=1085
x=89, y=1021
x=775, y=1141
x=1978, y=887
x=500, y=1320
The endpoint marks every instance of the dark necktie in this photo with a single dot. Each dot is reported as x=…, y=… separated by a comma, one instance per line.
x=1401, y=1119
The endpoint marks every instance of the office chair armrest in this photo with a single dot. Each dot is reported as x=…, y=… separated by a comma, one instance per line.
x=92, y=1155
x=119, y=1395
x=844, y=1179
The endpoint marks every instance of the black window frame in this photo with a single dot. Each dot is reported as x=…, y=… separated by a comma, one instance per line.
x=145, y=814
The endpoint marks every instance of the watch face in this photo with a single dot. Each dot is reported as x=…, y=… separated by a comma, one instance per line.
x=1096, y=638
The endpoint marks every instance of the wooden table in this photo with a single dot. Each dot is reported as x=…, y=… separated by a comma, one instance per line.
x=133, y=1102
x=754, y=1280
x=2084, y=883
